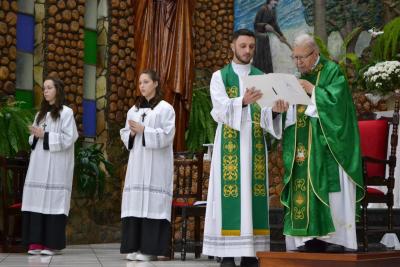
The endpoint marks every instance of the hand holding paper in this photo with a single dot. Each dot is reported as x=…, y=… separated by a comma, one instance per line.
x=251, y=95
x=276, y=86
x=280, y=106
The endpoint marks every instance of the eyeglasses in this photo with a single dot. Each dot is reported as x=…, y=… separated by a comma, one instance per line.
x=301, y=58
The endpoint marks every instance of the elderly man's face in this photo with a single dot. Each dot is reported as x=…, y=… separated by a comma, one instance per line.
x=304, y=57
x=243, y=49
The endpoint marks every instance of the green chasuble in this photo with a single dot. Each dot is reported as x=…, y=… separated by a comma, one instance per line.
x=314, y=148
x=230, y=167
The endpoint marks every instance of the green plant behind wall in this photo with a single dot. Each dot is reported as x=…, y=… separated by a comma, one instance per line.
x=14, y=122
x=349, y=63
x=90, y=169
x=202, y=126
x=387, y=45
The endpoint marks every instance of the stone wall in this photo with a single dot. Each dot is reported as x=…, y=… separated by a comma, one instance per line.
x=64, y=43
x=213, y=26
x=8, y=49
x=95, y=220
x=38, y=57
x=122, y=59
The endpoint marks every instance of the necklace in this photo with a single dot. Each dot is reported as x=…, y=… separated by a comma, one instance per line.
x=44, y=125
x=144, y=114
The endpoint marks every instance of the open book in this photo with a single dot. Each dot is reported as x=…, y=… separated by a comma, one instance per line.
x=276, y=86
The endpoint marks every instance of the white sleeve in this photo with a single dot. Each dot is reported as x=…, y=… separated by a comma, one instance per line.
x=311, y=110
x=271, y=125
x=125, y=132
x=274, y=126
x=68, y=134
x=291, y=116
x=225, y=110
x=30, y=140
x=163, y=136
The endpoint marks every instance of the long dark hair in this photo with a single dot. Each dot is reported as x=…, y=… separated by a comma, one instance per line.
x=140, y=100
x=56, y=108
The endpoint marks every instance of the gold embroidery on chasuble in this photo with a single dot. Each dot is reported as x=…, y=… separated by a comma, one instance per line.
x=301, y=117
x=299, y=199
x=301, y=154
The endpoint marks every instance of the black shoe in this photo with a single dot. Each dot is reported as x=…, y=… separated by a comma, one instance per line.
x=301, y=249
x=228, y=262
x=334, y=248
x=249, y=262
x=315, y=245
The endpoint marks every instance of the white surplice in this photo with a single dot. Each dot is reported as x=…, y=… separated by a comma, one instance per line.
x=149, y=176
x=229, y=111
x=341, y=203
x=48, y=182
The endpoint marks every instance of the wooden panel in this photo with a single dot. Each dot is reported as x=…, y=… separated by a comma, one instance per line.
x=302, y=259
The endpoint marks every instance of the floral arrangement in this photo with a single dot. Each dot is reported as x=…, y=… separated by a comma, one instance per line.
x=384, y=77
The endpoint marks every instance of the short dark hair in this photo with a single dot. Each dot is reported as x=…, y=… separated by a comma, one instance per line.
x=241, y=32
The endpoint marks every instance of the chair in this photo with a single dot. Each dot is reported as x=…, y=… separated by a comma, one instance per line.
x=188, y=184
x=374, y=138
x=12, y=174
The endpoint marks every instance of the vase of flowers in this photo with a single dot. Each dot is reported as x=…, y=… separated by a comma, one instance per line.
x=382, y=80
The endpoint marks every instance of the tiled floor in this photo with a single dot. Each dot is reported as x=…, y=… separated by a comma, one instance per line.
x=106, y=255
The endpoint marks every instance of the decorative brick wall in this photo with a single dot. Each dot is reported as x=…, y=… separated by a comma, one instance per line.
x=213, y=27
x=8, y=49
x=63, y=51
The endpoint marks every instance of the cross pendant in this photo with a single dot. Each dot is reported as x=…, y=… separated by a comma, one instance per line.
x=44, y=126
x=143, y=116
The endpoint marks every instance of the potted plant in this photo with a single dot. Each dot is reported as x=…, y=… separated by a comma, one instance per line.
x=201, y=129
x=14, y=122
x=382, y=79
x=90, y=169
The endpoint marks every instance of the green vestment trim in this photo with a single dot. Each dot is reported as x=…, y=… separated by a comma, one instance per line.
x=230, y=167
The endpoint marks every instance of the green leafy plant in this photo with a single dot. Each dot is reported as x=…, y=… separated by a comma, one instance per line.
x=14, y=122
x=387, y=45
x=90, y=169
x=202, y=126
x=349, y=63
x=323, y=48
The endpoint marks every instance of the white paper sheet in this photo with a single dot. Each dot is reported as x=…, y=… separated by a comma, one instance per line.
x=276, y=86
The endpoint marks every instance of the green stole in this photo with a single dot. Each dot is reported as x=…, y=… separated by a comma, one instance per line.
x=230, y=167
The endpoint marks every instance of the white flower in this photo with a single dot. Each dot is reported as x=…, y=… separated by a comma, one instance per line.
x=383, y=76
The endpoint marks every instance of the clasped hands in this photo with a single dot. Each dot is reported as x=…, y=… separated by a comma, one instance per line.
x=135, y=127
x=36, y=131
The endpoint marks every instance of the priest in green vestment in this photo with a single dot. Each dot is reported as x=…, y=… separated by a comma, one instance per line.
x=322, y=158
